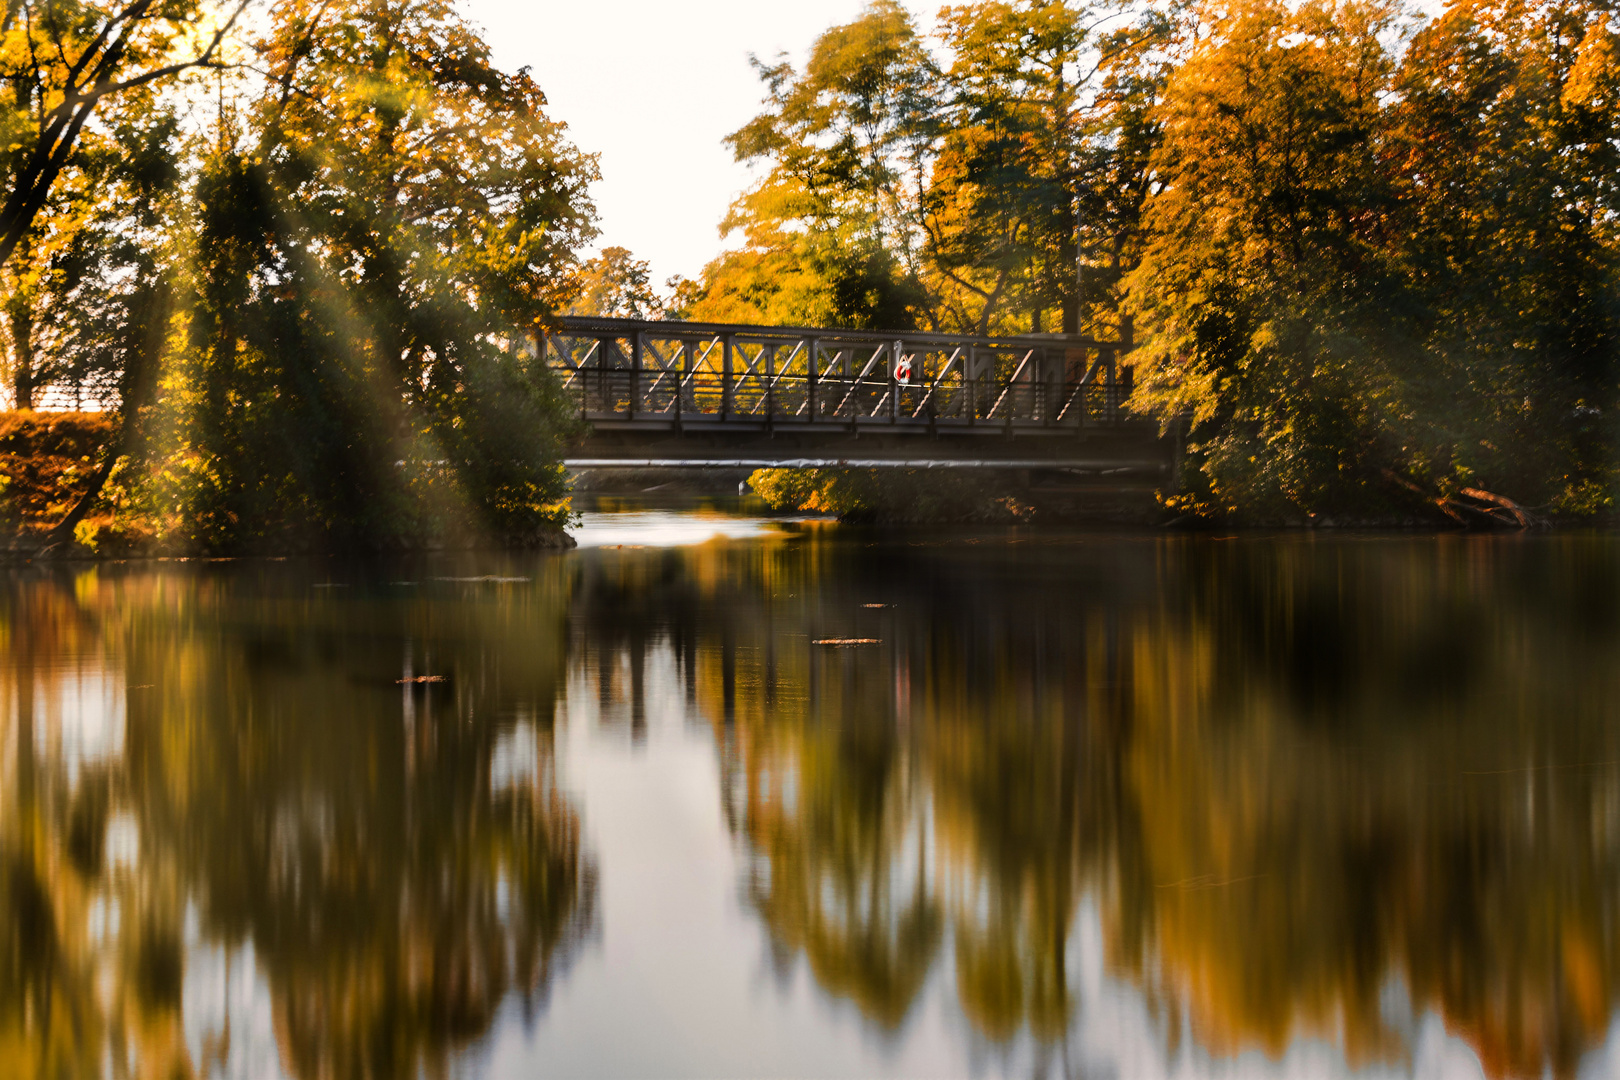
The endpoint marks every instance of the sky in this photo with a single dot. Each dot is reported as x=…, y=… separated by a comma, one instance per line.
x=653, y=87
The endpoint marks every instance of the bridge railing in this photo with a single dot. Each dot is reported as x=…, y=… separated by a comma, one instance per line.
x=701, y=373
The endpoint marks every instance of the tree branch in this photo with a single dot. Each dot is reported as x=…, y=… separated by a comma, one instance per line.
x=88, y=81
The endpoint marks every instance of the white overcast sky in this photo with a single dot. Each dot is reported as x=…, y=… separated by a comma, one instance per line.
x=653, y=86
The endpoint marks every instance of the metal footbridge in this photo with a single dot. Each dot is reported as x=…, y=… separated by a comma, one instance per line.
x=660, y=394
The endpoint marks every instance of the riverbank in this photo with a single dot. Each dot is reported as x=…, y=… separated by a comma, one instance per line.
x=48, y=461
x=24, y=549
x=960, y=496
x=58, y=500
x=1075, y=497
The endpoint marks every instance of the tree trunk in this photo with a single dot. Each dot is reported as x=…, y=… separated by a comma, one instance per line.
x=139, y=386
x=22, y=352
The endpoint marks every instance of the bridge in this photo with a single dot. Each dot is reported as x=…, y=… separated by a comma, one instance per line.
x=660, y=394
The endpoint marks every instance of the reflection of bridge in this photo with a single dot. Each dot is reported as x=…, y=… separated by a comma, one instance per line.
x=708, y=394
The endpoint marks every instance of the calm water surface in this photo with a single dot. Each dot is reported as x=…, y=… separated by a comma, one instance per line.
x=1088, y=805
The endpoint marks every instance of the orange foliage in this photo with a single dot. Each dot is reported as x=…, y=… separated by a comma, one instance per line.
x=46, y=462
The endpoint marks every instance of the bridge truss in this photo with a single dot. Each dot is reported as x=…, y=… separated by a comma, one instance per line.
x=682, y=375
x=713, y=394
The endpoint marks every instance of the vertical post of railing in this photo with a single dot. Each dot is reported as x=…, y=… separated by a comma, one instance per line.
x=692, y=373
x=970, y=390
x=725, y=376
x=852, y=396
x=604, y=388
x=1056, y=379
x=1051, y=385
x=1127, y=374
x=1011, y=391
x=579, y=376
x=894, y=380
x=813, y=373
x=683, y=360
x=1084, y=389
x=635, y=373
x=1113, y=387
x=767, y=355
x=1037, y=384
x=1043, y=392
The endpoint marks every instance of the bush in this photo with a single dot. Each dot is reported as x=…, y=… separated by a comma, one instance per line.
x=890, y=495
x=47, y=460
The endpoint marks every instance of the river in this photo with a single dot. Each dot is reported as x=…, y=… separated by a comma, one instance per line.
x=725, y=796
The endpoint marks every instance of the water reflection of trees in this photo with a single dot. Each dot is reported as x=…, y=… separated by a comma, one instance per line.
x=1289, y=777
x=1293, y=778
x=400, y=861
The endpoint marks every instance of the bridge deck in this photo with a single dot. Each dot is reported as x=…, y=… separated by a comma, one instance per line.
x=703, y=392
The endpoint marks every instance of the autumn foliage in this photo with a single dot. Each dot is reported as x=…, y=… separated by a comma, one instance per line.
x=1367, y=257
x=46, y=462
x=310, y=316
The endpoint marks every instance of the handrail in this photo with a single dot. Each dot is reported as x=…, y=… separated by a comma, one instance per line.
x=585, y=324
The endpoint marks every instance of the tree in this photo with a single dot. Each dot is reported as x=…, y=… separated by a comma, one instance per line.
x=1506, y=148
x=1274, y=311
x=617, y=285
x=368, y=269
x=83, y=128
x=1116, y=175
x=905, y=192
x=116, y=285
x=800, y=266
x=87, y=222
x=62, y=59
x=830, y=232
x=1374, y=280
x=1000, y=208
x=899, y=185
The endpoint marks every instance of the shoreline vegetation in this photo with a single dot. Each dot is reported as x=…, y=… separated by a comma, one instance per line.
x=48, y=462
x=295, y=266
x=48, y=467
x=924, y=497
